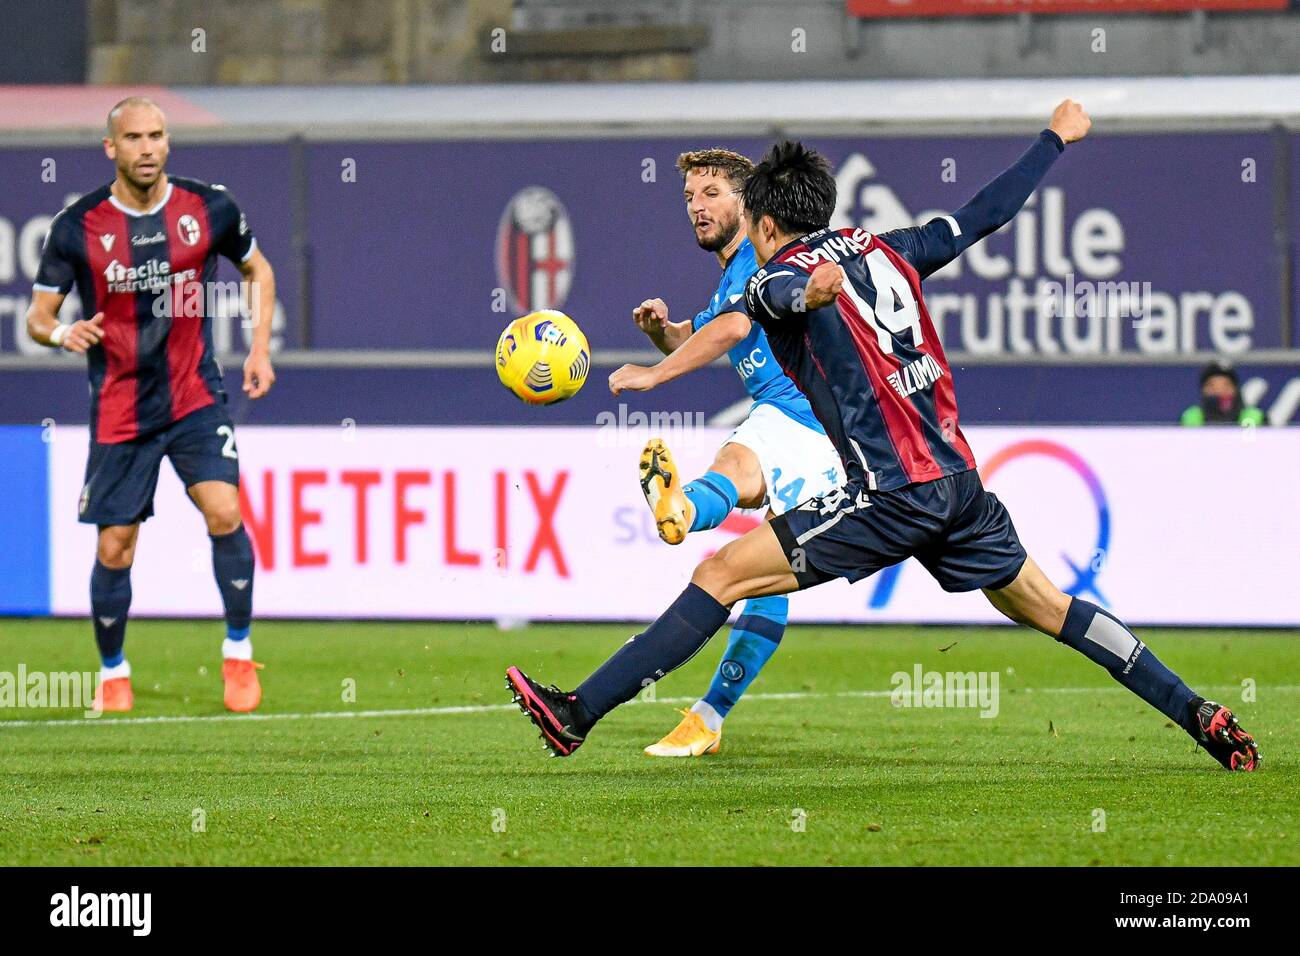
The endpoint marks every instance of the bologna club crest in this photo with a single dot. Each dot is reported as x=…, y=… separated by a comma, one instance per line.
x=535, y=250
x=187, y=227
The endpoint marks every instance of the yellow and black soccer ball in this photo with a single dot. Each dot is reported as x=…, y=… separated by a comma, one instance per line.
x=543, y=357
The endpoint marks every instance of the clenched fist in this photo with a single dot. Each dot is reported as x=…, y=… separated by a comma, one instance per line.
x=823, y=285
x=632, y=378
x=1070, y=122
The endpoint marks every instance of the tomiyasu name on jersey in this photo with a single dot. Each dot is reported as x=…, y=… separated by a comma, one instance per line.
x=752, y=358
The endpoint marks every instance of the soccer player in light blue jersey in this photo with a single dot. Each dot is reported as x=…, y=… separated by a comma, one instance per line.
x=778, y=457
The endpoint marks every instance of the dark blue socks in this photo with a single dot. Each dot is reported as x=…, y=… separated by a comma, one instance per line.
x=110, y=600
x=665, y=645
x=1103, y=638
x=754, y=638
x=232, y=563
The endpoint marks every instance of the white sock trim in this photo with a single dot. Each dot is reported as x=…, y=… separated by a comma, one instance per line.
x=237, y=650
x=113, y=673
x=712, y=719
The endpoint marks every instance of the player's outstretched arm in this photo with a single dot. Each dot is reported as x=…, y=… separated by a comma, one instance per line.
x=711, y=342
x=938, y=242
x=997, y=203
x=651, y=317
x=259, y=376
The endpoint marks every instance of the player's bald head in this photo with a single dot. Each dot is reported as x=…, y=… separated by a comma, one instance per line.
x=132, y=103
x=136, y=142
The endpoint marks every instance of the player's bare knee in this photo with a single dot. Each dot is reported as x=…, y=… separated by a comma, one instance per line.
x=116, y=548
x=709, y=575
x=717, y=574
x=115, y=557
x=222, y=518
x=741, y=466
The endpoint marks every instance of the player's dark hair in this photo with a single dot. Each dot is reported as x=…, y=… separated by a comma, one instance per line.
x=792, y=184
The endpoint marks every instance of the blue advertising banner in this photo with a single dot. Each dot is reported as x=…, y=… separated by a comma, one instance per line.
x=1154, y=244
x=439, y=245
x=1158, y=244
x=987, y=394
x=38, y=182
x=1143, y=244
x=25, y=562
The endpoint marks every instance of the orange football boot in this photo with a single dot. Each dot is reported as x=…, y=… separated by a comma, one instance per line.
x=243, y=689
x=114, y=696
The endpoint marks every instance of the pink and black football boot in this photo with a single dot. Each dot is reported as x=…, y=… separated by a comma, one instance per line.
x=558, y=715
x=1221, y=735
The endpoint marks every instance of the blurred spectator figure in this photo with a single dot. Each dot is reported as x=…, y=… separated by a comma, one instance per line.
x=1221, y=402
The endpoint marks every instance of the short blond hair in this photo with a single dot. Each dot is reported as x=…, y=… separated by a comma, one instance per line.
x=719, y=161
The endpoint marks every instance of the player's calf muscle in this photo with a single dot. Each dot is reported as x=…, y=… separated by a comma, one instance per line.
x=1031, y=599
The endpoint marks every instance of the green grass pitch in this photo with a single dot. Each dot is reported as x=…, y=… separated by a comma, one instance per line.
x=830, y=774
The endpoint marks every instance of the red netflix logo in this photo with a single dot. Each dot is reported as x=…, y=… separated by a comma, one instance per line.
x=309, y=494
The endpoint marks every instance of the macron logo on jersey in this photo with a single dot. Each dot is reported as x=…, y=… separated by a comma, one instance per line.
x=915, y=376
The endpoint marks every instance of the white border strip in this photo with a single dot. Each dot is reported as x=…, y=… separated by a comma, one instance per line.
x=491, y=708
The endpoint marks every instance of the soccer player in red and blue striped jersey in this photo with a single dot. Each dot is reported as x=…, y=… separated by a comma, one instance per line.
x=845, y=317
x=142, y=255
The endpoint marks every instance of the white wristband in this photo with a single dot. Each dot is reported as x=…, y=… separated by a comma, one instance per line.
x=59, y=333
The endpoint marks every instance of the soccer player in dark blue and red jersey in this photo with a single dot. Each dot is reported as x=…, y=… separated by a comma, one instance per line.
x=844, y=316
x=142, y=254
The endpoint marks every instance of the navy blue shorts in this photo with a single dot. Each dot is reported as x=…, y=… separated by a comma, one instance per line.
x=961, y=533
x=121, y=477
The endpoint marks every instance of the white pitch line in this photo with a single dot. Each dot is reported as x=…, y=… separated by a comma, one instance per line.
x=489, y=708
